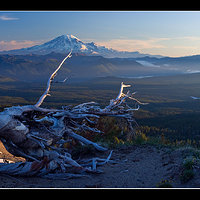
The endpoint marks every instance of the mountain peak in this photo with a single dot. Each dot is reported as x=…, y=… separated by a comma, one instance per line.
x=66, y=43
x=68, y=37
x=74, y=37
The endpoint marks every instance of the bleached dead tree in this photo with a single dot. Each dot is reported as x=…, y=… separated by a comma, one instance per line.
x=40, y=135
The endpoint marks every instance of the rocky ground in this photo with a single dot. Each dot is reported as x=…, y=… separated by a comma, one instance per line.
x=140, y=166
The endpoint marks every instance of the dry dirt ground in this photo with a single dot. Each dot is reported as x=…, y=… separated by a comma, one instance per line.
x=141, y=166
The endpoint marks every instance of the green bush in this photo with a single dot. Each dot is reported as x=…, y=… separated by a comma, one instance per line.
x=187, y=175
x=188, y=164
x=188, y=172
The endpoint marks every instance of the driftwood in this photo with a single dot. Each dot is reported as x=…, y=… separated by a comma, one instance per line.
x=40, y=135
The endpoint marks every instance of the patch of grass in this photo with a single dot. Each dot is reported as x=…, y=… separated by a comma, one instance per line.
x=140, y=139
x=164, y=184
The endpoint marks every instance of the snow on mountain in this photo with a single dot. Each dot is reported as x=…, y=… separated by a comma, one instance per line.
x=61, y=44
x=66, y=43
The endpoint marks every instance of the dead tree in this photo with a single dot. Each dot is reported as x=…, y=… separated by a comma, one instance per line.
x=40, y=134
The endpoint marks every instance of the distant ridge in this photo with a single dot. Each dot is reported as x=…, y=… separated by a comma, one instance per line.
x=66, y=43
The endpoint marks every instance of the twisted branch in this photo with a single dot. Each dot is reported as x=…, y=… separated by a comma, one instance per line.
x=46, y=93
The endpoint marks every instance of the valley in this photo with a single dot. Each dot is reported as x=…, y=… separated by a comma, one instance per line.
x=170, y=105
x=36, y=63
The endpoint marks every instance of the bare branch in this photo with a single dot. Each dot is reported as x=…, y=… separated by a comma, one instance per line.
x=121, y=89
x=194, y=97
x=46, y=93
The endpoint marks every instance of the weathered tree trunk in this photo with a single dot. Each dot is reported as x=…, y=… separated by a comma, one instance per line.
x=39, y=134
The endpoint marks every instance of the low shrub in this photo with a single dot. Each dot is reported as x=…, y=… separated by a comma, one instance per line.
x=187, y=175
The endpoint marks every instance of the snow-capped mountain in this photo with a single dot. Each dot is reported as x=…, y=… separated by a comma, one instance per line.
x=61, y=44
x=66, y=43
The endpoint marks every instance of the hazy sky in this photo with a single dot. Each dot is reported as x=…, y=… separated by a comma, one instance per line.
x=167, y=33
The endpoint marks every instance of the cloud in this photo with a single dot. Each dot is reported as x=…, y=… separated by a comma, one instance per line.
x=134, y=44
x=189, y=38
x=185, y=47
x=6, y=18
x=13, y=44
x=166, y=46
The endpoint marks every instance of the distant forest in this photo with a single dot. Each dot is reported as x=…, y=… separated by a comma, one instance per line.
x=171, y=111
